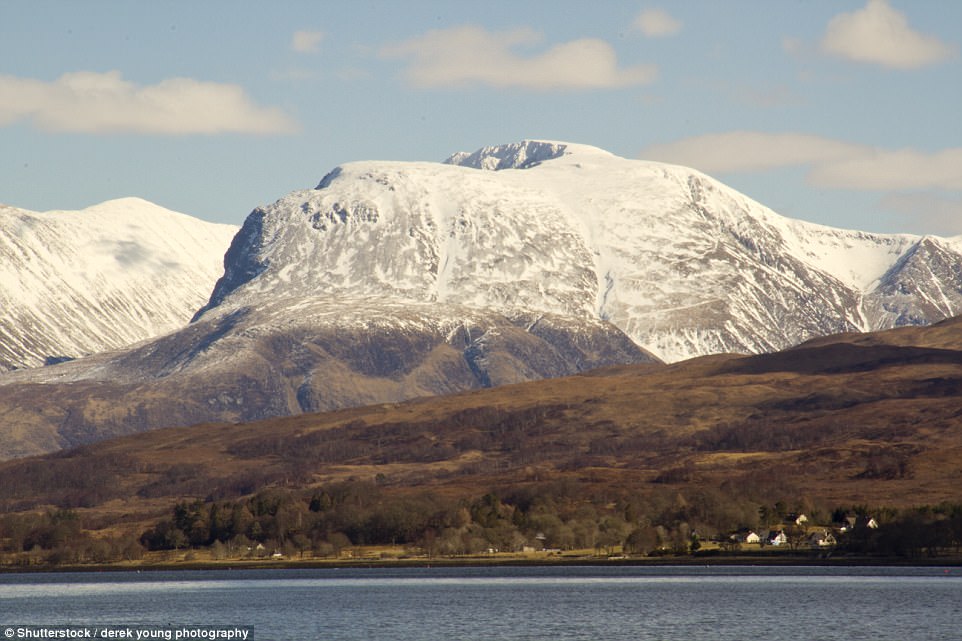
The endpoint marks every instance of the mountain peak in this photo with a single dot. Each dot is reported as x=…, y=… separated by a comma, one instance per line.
x=126, y=202
x=519, y=155
x=128, y=205
x=678, y=261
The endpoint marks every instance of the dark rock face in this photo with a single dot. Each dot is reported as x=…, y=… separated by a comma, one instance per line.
x=242, y=262
x=522, y=155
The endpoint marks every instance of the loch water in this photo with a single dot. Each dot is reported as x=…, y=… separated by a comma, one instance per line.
x=503, y=603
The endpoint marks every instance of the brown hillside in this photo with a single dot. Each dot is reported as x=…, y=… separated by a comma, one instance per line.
x=873, y=420
x=291, y=357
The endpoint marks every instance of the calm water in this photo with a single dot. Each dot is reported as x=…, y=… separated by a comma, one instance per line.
x=717, y=604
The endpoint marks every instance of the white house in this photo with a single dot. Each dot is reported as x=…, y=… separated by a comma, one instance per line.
x=746, y=537
x=777, y=537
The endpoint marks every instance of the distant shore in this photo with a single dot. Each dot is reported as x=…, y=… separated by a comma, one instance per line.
x=780, y=559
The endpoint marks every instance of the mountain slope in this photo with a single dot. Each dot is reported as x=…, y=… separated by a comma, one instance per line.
x=920, y=287
x=290, y=356
x=78, y=282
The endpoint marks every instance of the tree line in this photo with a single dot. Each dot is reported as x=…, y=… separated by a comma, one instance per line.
x=60, y=537
x=555, y=515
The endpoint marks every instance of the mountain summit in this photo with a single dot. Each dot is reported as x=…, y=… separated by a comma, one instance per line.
x=682, y=264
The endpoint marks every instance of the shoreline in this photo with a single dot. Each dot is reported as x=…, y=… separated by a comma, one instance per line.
x=748, y=560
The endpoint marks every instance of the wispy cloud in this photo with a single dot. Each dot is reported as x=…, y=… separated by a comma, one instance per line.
x=939, y=213
x=925, y=185
x=307, y=41
x=94, y=103
x=879, y=34
x=737, y=151
x=831, y=163
x=471, y=55
x=884, y=170
x=656, y=23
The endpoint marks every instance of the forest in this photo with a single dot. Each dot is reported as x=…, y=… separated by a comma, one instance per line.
x=330, y=521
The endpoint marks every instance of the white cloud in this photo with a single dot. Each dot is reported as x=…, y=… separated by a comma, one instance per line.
x=471, y=55
x=880, y=170
x=93, y=102
x=881, y=35
x=922, y=188
x=751, y=151
x=656, y=23
x=938, y=213
x=832, y=163
x=307, y=41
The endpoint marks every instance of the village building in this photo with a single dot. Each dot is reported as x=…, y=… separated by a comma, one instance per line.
x=822, y=539
x=746, y=537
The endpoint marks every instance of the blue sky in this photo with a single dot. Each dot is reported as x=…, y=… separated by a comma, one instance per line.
x=839, y=112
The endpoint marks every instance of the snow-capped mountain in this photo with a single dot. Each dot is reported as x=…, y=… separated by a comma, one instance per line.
x=681, y=263
x=392, y=280
x=74, y=283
